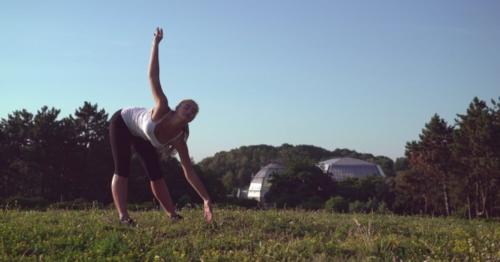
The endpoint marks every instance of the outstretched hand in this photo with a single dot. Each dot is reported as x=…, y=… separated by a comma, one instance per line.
x=158, y=35
x=207, y=210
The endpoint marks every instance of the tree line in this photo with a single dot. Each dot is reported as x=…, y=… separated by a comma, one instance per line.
x=450, y=169
x=46, y=159
x=454, y=168
x=55, y=159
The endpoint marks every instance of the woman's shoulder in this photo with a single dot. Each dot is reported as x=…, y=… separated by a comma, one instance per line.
x=158, y=114
x=133, y=109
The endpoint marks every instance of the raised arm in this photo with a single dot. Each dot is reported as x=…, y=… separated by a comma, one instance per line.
x=161, y=102
x=193, y=178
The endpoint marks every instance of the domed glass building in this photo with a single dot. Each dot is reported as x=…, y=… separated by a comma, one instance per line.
x=342, y=168
x=260, y=185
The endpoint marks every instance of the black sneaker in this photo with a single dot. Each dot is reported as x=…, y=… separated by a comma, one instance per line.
x=128, y=221
x=176, y=217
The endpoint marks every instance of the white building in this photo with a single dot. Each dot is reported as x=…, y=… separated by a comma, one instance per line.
x=260, y=185
x=346, y=167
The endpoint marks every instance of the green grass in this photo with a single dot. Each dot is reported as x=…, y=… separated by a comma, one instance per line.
x=242, y=235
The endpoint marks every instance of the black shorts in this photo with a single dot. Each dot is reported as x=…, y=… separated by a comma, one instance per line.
x=121, y=145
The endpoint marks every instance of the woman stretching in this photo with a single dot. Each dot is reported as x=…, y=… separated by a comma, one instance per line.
x=147, y=130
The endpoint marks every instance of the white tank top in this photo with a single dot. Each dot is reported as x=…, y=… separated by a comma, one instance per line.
x=140, y=123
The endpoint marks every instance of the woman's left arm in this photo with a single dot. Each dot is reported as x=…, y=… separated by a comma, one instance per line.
x=193, y=178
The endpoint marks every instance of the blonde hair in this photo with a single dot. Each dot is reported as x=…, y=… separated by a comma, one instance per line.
x=188, y=101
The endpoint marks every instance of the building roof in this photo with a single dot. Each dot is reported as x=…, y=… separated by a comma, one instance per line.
x=342, y=168
x=268, y=169
x=346, y=161
x=260, y=184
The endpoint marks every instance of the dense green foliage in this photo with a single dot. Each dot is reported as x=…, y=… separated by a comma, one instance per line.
x=43, y=157
x=237, y=166
x=337, y=204
x=55, y=159
x=300, y=186
x=243, y=235
x=449, y=170
x=455, y=169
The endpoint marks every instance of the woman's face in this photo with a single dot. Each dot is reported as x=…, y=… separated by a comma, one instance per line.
x=187, y=110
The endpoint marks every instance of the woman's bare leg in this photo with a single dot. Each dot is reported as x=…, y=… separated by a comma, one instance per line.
x=160, y=191
x=119, y=188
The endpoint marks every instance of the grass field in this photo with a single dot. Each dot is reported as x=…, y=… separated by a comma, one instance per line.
x=243, y=235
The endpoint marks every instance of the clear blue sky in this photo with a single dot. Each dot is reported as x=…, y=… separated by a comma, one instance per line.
x=363, y=75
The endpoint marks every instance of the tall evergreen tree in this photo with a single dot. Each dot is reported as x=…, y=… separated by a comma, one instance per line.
x=17, y=143
x=47, y=148
x=413, y=194
x=94, y=155
x=433, y=158
x=477, y=150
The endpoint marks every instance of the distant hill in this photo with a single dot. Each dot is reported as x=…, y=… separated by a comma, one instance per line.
x=236, y=167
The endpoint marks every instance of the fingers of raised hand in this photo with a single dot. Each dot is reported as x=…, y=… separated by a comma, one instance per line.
x=158, y=33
